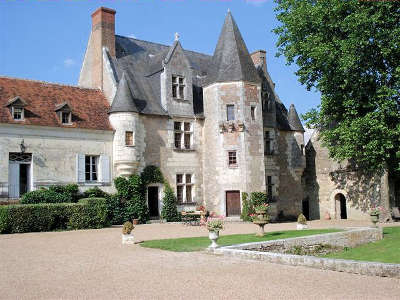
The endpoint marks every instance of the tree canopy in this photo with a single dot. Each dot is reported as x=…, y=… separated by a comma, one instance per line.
x=350, y=52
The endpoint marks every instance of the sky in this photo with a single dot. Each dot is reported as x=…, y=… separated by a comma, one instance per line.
x=46, y=39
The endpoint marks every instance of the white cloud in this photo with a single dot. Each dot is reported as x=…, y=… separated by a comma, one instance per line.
x=256, y=2
x=69, y=62
x=132, y=36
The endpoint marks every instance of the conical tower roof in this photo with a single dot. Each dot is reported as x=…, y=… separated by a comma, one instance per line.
x=231, y=60
x=123, y=100
x=294, y=120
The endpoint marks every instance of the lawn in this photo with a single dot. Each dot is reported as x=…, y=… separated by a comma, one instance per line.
x=386, y=250
x=200, y=243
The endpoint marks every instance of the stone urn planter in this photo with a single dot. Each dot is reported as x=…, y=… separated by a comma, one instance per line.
x=301, y=222
x=127, y=234
x=374, y=218
x=214, y=226
x=213, y=236
x=261, y=218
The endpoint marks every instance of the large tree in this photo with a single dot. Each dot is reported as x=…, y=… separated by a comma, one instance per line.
x=350, y=52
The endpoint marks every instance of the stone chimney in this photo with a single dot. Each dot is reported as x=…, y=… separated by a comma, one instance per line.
x=102, y=36
x=259, y=59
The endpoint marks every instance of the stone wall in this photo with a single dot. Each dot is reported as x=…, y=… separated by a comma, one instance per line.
x=325, y=180
x=54, y=152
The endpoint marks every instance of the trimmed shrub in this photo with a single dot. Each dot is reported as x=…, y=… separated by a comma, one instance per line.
x=169, y=211
x=95, y=192
x=53, y=216
x=115, y=209
x=258, y=198
x=54, y=194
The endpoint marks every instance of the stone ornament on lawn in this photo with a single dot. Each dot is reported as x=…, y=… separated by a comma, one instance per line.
x=301, y=222
x=261, y=217
x=127, y=235
x=214, y=226
x=375, y=212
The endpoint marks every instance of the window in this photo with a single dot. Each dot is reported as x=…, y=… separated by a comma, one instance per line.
x=232, y=160
x=178, y=87
x=91, y=168
x=18, y=113
x=269, y=187
x=230, y=112
x=268, y=143
x=129, y=138
x=184, y=188
x=65, y=117
x=253, y=112
x=183, y=135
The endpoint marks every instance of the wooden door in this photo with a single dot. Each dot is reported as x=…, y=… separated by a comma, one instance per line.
x=152, y=196
x=233, y=203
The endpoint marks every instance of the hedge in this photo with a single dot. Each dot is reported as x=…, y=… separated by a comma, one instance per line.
x=88, y=213
x=54, y=194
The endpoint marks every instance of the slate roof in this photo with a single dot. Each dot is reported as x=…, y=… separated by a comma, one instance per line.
x=89, y=106
x=294, y=120
x=123, y=100
x=231, y=59
x=142, y=63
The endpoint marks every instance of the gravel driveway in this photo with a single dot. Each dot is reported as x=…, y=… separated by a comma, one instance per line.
x=92, y=264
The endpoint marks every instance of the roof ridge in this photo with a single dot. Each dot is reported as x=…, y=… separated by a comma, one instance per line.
x=126, y=37
x=50, y=83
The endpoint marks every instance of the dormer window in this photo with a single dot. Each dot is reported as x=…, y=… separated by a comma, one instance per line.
x=64, y=113
x=178, y=87
x=16, y=106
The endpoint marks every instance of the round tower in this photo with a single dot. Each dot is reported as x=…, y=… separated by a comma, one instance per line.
x=124, y=118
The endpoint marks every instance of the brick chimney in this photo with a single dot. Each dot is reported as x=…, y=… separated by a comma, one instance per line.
x=102, y=36
x=259, y=59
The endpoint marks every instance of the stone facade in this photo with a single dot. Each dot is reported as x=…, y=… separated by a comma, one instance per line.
x=337, y=190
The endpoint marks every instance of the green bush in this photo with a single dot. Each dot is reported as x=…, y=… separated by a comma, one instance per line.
x=95, y=192
x=115, y=209
x=54, y=194
x=247, y=208
x=169, y=211
x=258, y=198
x=53, y=216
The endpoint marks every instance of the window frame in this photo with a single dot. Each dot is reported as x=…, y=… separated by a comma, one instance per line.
x=69, y=116
x=268, y=138
x=252, y=112
x=228, y=106
x=181, y=133
x=182, y=188
x=178, y=87
x=93, y=161
x=132, y=144
x=13, y=108
x=232, y=160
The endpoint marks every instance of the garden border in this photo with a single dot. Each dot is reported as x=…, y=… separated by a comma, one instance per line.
x=350, y=237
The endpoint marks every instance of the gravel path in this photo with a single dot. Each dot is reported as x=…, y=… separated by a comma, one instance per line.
x=92, y=264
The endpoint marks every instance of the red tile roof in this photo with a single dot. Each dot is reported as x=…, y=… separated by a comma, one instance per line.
x=89, y=106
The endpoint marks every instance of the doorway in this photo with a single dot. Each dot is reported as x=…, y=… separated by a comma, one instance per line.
x=19, y=174
x=306, y=208
x=341, y=209
x=152, y=197
x=233, y=203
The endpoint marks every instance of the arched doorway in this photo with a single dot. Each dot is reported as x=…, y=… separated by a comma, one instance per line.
x=340, y=204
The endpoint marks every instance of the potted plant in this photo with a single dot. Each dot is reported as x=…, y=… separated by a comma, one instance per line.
x=374, y=213
x=127, y=235
x=214, y=226
x=261, y=217
x=135, y=221
x=301, y=222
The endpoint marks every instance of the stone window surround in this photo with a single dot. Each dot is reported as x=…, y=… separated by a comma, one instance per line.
x=126, y=138
x=233, y=111
x=232, y=166
x=184, y=184
x=61, y=117
x=270, y=141
x=178, y=82
x=183, y=132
